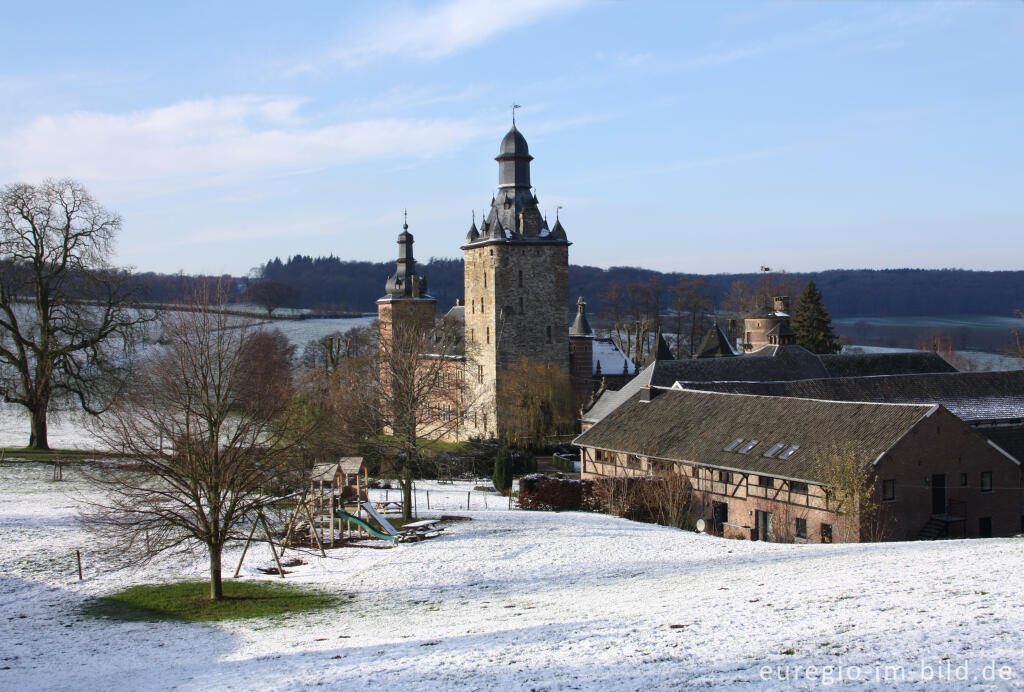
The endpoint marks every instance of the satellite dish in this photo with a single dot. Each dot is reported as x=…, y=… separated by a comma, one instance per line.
x=700, y=525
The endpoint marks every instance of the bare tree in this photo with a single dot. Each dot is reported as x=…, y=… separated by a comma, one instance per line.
x=420, y=394
x=537, y=400
x=328, y=352
x=691, y=301
x=207, y=420
x=68, y=321
x=852, y=493
x=270, y=295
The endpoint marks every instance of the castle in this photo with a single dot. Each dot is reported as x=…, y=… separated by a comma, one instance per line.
x=516, y=300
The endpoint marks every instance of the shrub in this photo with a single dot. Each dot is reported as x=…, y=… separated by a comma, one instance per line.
x=503, y=471
x=664, y=501
x=555, y=494
x=660, y=500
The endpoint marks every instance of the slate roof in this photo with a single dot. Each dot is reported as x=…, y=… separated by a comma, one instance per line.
x=770, y=364
x=610, y=358
x=971, y=396
x=861, y=364
x=454, y=323
x=715, y=344
x=695, y=426
x=1010, y=438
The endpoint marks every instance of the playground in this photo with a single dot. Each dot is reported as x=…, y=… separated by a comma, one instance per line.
x=509, y=599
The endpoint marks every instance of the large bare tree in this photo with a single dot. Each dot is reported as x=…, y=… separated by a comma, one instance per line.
x=208, y=419
x=68, y=320
x=420, y=393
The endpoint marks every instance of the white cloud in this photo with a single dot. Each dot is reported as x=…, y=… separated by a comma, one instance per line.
x=434, y=32
x=211, y=138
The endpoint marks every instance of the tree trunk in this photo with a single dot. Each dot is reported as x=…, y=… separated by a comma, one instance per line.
x=407, y=491
x=216, y=587
x=38, y=439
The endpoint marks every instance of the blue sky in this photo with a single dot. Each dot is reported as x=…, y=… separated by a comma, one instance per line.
x=682, y=136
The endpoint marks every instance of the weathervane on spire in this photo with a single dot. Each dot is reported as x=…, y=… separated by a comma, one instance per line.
x=514, y=107
x=405, y=219
x=557, y=209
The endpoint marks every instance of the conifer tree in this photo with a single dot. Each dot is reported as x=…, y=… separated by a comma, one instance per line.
x=503, y=471
x=812, y=324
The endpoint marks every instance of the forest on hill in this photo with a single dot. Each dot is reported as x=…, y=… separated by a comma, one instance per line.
x=331, y=283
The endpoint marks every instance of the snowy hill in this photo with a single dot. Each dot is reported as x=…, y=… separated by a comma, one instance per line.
x=524, y=600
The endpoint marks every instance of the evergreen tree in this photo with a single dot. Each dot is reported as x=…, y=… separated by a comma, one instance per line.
x=812, y=324
x=503, y=471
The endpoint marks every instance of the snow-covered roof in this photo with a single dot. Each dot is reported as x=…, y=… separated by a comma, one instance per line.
x=610, y=360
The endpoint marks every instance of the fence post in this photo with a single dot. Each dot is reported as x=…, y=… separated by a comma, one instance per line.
x=78, y=556
x=467, y=499
x=428, y=499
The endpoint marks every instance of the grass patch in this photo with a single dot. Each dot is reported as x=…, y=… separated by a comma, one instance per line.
x=189, y=601
x=30, y=454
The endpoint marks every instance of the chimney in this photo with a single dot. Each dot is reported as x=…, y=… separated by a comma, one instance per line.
x=648, y=393
x=782, y=304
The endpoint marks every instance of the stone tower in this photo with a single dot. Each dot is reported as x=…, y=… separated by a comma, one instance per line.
x=769, y=326
x=581, y=353
x=405, y=300
x=516, y=285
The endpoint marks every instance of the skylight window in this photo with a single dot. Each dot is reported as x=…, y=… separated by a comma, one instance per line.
x=775, y=449
x=734, y=444
x=789, y=451
x=747, y=447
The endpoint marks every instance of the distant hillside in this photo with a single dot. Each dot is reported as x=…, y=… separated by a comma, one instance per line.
x=335, y=283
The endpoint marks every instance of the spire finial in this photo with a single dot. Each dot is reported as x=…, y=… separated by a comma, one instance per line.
x=405, y=219
x=557, y=209
x=514, y=107
x=474, y=217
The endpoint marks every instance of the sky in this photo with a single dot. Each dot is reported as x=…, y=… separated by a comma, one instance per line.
x=698, y=137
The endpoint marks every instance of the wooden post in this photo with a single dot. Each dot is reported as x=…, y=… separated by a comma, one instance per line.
x=245, y=550
x=78, y=556
x=428, y=499
x=467, y=499
x=316, y=536
x=270, y=540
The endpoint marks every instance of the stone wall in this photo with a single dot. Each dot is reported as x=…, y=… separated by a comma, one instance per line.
x=516, y=296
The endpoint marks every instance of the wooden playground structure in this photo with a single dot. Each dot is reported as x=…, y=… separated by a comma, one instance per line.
x=334, y=509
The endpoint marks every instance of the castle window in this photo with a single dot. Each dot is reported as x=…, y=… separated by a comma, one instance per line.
x=488, y=335
x=472, y=302
x=520, y=305
x=485, y=276
x=480, y=378
x=520, y=278
x=549, y=333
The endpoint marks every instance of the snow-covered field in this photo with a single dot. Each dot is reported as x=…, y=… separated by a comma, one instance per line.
x=523, y=600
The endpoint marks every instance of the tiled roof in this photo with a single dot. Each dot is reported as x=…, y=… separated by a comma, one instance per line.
x=971, y=396
x=696, y=426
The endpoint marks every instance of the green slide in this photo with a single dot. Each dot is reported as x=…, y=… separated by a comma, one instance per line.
x=342, y=514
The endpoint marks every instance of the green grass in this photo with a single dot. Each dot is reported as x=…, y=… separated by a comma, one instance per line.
x=190, y=601
x=51, y=454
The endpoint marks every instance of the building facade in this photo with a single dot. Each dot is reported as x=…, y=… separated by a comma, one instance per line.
x=759, y=466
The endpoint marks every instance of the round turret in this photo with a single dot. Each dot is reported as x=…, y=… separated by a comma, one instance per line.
x=514, y=144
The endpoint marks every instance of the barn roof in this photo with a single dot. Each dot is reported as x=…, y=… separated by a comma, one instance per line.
x=971, y=396
x=697, y=426
x=769, y=364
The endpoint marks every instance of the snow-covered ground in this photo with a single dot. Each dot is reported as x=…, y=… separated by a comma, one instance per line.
x=523, y=600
